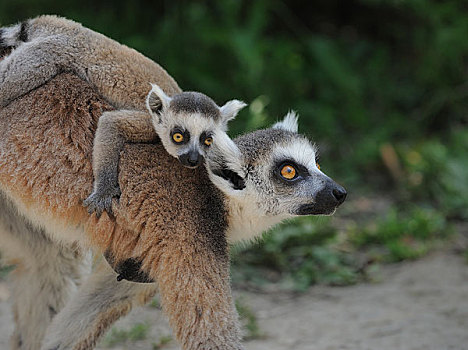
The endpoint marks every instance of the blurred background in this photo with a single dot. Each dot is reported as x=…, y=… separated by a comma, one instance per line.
x=380, y=85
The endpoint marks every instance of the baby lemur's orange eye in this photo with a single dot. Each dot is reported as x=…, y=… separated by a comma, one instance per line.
x=178, y=137
x=288, y=172
x=318, y=166
x=208, y=141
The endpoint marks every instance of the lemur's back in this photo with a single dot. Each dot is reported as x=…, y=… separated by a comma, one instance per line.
x=118, y=71
x=121, y=74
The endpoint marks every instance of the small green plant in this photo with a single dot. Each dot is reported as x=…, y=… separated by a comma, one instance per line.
x=118, y=336
x=402, y=235
x=155, y=304
x=296, y=255
x=5, y=270
x=162, y=342
x=248, y=320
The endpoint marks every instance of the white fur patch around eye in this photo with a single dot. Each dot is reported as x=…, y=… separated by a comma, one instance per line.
x=289, y=123
x=195, y=123
x=299, y=150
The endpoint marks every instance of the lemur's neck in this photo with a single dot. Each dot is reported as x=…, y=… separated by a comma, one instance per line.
x=246, y=220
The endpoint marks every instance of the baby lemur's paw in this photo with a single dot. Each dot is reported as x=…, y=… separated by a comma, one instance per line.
x=101, y=199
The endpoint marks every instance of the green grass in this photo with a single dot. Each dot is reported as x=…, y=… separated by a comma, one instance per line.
x=162, y=342
x=139, y=331
x=248, y=320
x=402, y=235
x=295, y=255
x=311, y=251
x=4, y=271
x=155, y=303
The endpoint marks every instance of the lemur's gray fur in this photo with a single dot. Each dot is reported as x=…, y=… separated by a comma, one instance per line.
x=48, y=45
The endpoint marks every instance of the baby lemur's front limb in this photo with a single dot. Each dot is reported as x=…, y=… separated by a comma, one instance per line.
x=114, y=129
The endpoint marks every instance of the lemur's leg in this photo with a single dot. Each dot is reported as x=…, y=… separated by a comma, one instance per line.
x=97, y=305
x=44, y=277
x=32, y=64
x=41, y=287
x=194, y=289
x=114, y=129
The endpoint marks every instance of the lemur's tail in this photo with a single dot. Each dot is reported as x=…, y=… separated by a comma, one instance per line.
x=13, y=36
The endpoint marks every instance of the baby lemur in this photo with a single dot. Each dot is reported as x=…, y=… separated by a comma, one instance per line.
x=186, y=122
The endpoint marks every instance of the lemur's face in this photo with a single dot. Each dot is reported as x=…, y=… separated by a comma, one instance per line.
x=187, y=136
x=287, y=178
x=276, y=169
x=188, y=123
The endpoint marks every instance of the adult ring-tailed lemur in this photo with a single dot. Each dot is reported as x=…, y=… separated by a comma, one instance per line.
x=177, y=223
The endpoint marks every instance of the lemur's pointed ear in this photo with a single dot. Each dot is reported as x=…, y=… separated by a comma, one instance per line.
x=157, y=100
x=230, y=110
x=289, y=123
x=224, y=164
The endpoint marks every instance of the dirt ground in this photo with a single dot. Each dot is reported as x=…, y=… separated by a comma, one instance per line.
x=418, y=305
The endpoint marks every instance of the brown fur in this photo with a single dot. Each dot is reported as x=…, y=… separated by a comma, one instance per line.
x=65, y=45
x=176, y=229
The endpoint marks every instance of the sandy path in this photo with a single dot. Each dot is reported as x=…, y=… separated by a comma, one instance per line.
x=419, y=305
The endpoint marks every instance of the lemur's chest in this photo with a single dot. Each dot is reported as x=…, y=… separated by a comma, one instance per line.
x=245, y=221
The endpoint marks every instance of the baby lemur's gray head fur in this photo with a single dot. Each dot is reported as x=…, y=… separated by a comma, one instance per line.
x=187, y=123
x=273, y=173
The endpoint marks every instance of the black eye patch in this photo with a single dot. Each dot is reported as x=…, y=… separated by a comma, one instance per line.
x=205, y=135
x=301, y=171
x=180, y=136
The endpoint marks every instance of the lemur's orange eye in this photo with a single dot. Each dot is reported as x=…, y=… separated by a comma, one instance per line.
x=178, y=137
x=208, y=141
x=318, y=166
x=288, y=172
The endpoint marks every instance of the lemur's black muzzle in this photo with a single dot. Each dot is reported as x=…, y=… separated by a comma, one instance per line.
x=326, y=200
x=191, y=159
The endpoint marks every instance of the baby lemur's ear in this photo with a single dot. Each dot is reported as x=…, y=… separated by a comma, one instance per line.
x=225, y=165
x=156, y=101
x=230, y=110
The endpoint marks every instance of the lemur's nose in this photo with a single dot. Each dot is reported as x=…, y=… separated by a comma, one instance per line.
x=195, y=158
x=191, y=159
x=339, y=193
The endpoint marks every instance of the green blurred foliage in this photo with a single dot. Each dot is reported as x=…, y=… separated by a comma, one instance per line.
x=138, y=331
x=361, y=73
x=248, y=320
x=295, y=256
x=402, y=235
x=4, y=271
x=437, y=173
